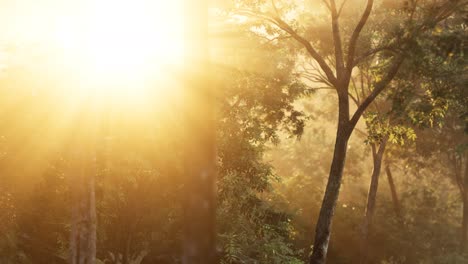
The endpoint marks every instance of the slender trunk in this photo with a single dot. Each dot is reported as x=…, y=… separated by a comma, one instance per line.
x=464, y=233
x=74, y=234
x=200, y=161
x=393, y=191
x=371, y=199
x=83, y=228
x=323, y=228
x=324, y=222
x=83, y=235
x=460, y=171
x=92, y=220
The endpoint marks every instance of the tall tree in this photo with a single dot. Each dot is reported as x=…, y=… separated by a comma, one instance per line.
x=382, y=129
x=337, y=73
x=83, y=226
x=82, y=172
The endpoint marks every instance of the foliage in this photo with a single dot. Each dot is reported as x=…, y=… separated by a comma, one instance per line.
x=275, y=139
x=378, y=127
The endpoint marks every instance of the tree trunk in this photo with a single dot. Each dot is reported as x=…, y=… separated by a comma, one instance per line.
x=200, y=156
x=92, y=220
x=393, y=191
x=324, y=222
x=464, y=233
x=83, y=228
x=371, y=199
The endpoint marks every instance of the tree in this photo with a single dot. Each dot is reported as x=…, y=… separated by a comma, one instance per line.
x=432, y=94
x=82, y=171
x=346, y=57
x=383, y=130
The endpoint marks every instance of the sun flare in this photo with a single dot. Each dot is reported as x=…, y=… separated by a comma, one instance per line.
x=121, y=48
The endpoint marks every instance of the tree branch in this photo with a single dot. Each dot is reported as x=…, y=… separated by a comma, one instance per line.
x=277, y=21
x=371, y=52
x=270, y=40
x=337, y=41
x=355, y=35
x=315, y=76
x=317, y=79
x=378, y=88
x=341, y=7
x=313, y=89
x=275, y=8
x=327, y=4
x=354, y=99
x=323, y=65
x=355, y=90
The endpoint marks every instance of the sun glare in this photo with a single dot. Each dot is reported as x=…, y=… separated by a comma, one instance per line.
x=121, y=48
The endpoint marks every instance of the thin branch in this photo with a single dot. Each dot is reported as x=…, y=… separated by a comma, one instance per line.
x=320, y=88
x=277, y=21
x=269, y=40
x=354, y=37
x=317, y=78
x=350, y=95
x=353, y=99
x=275, y=8
x=337, y=41
x=372, y=52
x=448, y=9
x=323, y=65
x=361, y=74
x=341, y=7
x=322, y=76
x=378, y=88
x=355, y=89
x=368, y=81
x=327, y=4
x=316, y=75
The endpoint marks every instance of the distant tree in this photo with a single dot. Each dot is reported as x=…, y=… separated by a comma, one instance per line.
x=81, y=171
x=432, y=93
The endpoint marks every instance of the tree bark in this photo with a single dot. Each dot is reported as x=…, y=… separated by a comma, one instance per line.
x=83, y=227
x=200, y=157
x=460, y=172
x=323, y=228
x=393, y=191
x=82, y=169
x=344, y=130
x=371, y=199
x=464, y=233
x=324, y=222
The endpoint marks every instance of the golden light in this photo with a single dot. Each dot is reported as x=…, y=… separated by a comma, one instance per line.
x=79, y=64
x=122, y=49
